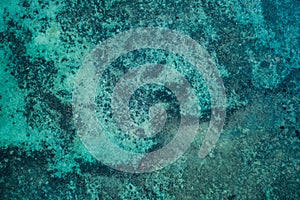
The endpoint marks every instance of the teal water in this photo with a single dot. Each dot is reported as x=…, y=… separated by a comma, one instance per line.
x=255, y=48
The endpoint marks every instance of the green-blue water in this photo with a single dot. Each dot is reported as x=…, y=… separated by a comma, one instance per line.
x=255, y=47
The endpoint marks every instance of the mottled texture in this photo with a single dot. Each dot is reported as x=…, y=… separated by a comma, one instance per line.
x=255, y=45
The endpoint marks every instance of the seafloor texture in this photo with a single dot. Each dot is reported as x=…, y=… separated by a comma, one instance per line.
x=255, y=45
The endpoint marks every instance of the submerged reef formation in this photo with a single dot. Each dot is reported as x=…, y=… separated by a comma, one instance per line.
x=255, y=45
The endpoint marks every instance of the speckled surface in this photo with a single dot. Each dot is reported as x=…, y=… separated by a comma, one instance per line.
x=255, y=45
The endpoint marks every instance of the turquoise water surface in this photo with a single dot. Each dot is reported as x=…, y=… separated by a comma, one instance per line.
x=70, y=68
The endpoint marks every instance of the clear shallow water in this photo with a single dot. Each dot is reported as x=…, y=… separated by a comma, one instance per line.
x=255, y=46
